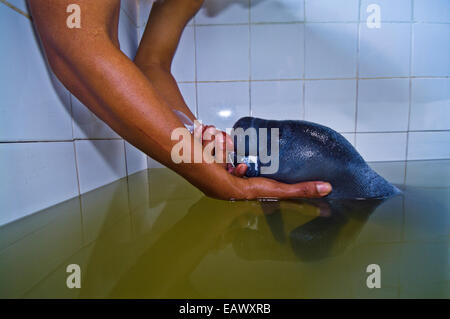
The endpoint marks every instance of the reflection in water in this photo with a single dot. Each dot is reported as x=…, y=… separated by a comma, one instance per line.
x=134, y=238
x=165, y=266
x=338, y=224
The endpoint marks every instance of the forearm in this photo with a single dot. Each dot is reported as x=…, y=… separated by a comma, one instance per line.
x=166, y=85
x=119, y=93
x=158, y=46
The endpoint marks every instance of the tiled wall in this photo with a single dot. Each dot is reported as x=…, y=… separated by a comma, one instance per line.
x=52, y=147
x=386, y=89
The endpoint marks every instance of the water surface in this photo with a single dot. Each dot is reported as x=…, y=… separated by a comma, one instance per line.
x=153, y=235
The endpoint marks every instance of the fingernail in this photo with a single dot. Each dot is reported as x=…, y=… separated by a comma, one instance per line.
x=323, y=188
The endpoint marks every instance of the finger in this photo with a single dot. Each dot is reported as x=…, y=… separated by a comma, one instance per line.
x=229, y=142
x=240, y=170
x=266, y=188
x=198, y=131
x=209, y=135
x=220, y=142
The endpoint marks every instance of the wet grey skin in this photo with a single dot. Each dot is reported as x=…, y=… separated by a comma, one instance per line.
x=313, y=152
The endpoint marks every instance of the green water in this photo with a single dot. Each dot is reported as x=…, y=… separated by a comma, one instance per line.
x=152, y=235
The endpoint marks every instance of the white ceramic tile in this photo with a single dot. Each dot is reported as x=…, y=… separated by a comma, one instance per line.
x=128, y=35
x=386, y=253
x=383, y=105
x=33, y=257
x=34, y=105
x=87, y=125
x=430, y=105
x=429, y=145
x=277, y=100
x=222, y=12
x=99, y=162
x=189, y=94
x=390, y=10
x=385, y=225
x=140, y=33
x=427, y=217
x=183, y=65
x=330, y=50
x=331, y=103
x=138, y=191
x=20, y=4
x=277, y=11
x=50, y=286
x=428, y=173
x=19, y=229
x=100, y=215
x=35, y=176
x=394, y=172
x=431, y=49
x=145, y=6
x=131, y=8
x=222, y=53
x=222, y=104
x=381, y=146
x=385, y=51
x=151, y=163
x=424, y=265
x=432, y=10
x=331, y=10
x=349, y=137
x=136, y=160
x=144, y=9
x=277, y=51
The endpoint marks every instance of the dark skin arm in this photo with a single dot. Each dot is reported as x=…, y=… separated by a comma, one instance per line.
x=90, y=64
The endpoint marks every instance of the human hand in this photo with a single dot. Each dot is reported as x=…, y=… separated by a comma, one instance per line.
x=232, y=187
x=223, y=144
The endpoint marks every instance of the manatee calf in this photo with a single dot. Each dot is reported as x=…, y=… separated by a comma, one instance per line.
x=309, y=152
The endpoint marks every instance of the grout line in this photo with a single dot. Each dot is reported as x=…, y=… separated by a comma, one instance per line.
x=36, y=141
x=250, y=109
x=194, y=24
x=76, y=168
x=128, y=16
x=74, y=147
x=62, y=141
x=358, y=45
x=312, y=22
x=138, y=14
x=71, y=112
x=11, y=6
x=97, y=138
x=411, y=51
x=321, y=79
x=125, y=154
x=83, y=234
x=303, y=115
x=413, y=131
x=117, y=139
